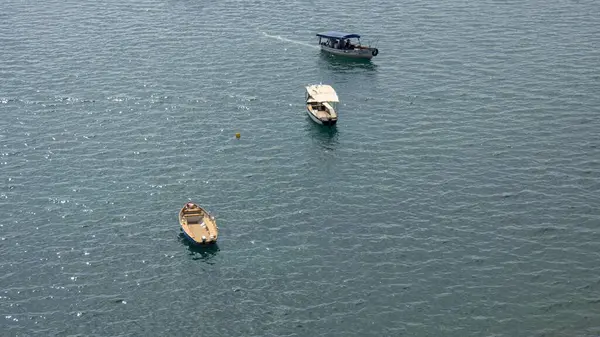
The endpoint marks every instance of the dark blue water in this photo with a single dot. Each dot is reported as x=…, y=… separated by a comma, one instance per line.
x=457, y=196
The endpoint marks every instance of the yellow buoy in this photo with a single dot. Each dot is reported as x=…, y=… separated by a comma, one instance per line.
x=237, y=135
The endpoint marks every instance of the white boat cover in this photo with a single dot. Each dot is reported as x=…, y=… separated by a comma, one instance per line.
x=321, y=93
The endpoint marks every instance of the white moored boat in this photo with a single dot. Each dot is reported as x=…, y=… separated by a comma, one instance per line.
x=321, y=104
x=345, y=44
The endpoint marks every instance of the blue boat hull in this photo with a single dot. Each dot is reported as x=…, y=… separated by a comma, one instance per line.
x=365, y=54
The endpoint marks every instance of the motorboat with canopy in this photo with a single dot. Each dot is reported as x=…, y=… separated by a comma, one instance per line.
x=345, y=44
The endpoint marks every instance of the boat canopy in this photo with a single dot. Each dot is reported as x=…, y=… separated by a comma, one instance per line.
x=338, y=35
x=321, y=93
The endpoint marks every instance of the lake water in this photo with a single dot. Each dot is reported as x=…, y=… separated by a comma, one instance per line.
x=458, y=195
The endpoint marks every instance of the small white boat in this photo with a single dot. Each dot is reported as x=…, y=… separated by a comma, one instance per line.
x=345, y=44
x=321, y=104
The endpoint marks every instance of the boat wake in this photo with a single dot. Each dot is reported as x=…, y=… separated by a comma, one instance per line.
x=277, y=37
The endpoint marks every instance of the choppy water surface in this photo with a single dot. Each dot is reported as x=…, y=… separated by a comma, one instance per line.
x=457, y=196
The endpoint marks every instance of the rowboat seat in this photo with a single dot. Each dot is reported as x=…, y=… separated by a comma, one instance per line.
x=194, y=214
x=191, y=220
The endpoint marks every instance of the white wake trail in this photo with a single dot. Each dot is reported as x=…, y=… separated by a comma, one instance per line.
x=277, y=37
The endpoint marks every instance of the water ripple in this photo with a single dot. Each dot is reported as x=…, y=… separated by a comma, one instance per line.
x=456, y=196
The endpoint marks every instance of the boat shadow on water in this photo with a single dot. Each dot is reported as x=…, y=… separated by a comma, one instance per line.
x=326, y=136
x=335, y=62
x=200, y=252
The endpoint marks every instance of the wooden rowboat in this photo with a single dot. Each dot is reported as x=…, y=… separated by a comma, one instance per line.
x=198, y=225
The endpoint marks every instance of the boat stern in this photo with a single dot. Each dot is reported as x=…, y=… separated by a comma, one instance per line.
x=329, y=122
